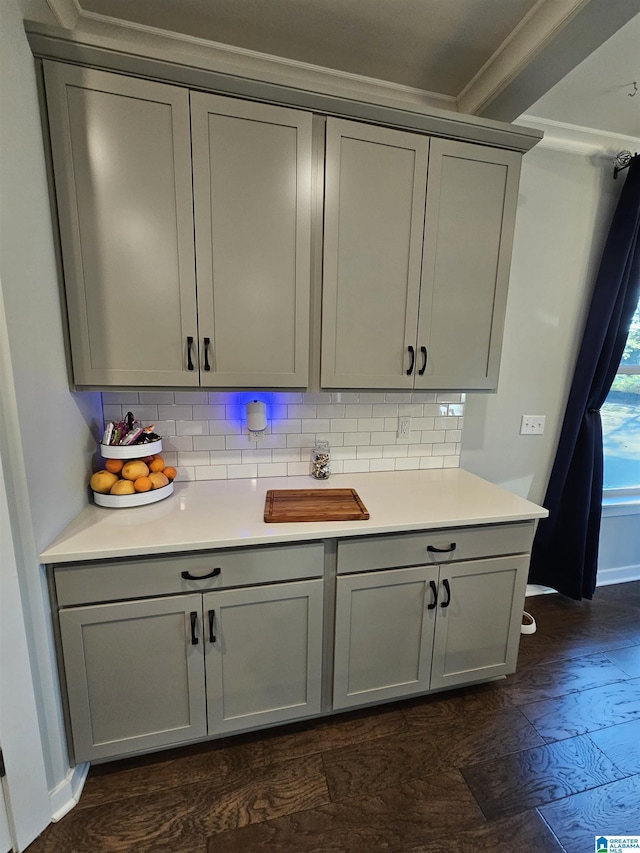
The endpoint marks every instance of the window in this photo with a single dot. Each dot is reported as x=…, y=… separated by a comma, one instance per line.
x=621, y=421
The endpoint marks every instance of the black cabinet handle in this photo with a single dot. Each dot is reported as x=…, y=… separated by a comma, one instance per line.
x=212, y=621
x=435, y=550
x=194, y=620
x=207, y=343
x=189, y=358
x=423, y=351
x=445, y=584
x=189, y=577
x=412, y=353
x=434, y=595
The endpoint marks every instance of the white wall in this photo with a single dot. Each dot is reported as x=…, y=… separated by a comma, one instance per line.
x=48, y=431
x=565, y=206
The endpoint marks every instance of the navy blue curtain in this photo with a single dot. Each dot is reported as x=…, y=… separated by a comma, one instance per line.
x=565, y=549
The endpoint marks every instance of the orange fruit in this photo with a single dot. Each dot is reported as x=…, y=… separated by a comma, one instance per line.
x=158, y=464
x=114, y=465
x=142, y=484
x=170, y=473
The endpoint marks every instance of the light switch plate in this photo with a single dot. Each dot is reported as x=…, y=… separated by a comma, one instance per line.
x=532, y=425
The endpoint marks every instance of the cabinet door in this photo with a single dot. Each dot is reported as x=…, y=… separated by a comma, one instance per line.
x=478, y=632
x=374, y=213
x=122, y=164
x=252, y=197
x=384, y=635
x=471, y=204
x=264, y=654
x=135, y=680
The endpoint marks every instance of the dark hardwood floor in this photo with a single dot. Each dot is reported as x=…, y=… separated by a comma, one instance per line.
x=541, y=761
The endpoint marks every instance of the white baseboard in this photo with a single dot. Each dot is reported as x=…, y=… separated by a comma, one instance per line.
x=67, y=793
x=618, y=574
x=606, y=577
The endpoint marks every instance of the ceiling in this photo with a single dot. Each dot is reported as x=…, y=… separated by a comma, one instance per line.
x=571, y=61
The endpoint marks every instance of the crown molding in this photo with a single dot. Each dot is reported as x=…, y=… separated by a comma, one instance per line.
x=67, y=12
x=573, y=139
x=552, y=40
x=230, y=59
x=536, y=29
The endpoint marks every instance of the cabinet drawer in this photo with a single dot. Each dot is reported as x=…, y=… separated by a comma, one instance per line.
x=111, y=580
x=412, y=549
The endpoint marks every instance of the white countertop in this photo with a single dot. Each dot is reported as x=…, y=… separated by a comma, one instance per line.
x=227, y=513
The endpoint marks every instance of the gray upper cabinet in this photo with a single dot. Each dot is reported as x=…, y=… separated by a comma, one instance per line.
x=375, y=186
x=122, y=162
x=127, y=187
x=414, y=299
x=252, y=196
x=472, y=192
x=186, y=230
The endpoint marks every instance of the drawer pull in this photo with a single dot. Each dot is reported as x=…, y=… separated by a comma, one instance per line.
x=412, y=353
x=189, y=348
x=445, y=584
x=212, y=622
x=189, y=577
x=207, y=343
x=435, y=550
x=434, y=594
x=194, y=621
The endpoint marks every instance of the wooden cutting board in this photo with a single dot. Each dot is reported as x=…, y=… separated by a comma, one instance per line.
x=314, y=505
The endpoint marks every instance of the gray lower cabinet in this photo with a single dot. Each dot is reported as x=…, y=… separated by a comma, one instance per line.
x=408, y=630
x=384, y=635
x=134, y=679
x=155, y=672
x=263, y=654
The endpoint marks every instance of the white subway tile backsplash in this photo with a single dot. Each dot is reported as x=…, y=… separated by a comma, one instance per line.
x=121, y=398
x=206, y=437
x=301, y=440
x=290, y=454
x=408, y=464
x=240, y=442
x=175, y=413
x=315, y=425
x=431, y=462
x=272, y=469
x=353, y=439
x=356, y=466
x=298, y=469
x=302, y=411
x=205, y=442
x=182, y=397
x=240, y=472
x=210, y=412
x=194, y=457
x=357, y=410
x=211, y=472
x=166, y=398
x=227, y=457
x=343, y=425
x=382, y=465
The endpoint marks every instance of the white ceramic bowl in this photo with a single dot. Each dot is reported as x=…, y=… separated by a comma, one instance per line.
x=137, y=499
x=130, y=451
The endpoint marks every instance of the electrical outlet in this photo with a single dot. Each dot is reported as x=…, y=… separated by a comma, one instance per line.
x=404, y=426
x=532, y=425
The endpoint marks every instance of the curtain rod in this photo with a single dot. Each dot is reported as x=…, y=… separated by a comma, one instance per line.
x=622, y=161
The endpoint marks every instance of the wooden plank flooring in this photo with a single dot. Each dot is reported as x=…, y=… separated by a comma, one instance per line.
x=541, y=761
